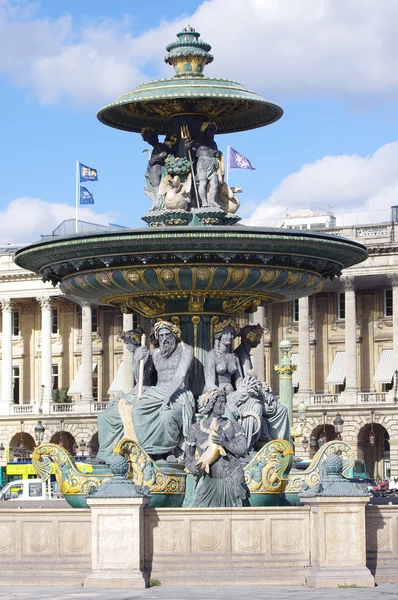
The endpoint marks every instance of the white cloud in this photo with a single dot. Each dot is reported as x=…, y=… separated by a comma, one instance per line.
x=26, y=219
x=277, y=47
x=367, y=185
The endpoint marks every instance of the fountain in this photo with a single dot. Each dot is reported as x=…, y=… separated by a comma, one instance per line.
x=191, y=271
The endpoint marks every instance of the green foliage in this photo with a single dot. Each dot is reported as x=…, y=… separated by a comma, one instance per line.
x=349, y=585
x=154, y=583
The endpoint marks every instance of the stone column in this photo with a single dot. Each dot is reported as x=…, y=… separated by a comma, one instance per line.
x=285, y=370
x=351, y=386
x=257, y=354
x=128, y=357
x=304, y=358
x=87, y=355
x=394, y=283
x=338, y=542
x=117, y=530
x=46, y=353
x=6, y=359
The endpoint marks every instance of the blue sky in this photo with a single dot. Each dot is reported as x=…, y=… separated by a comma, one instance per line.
x=331, y=66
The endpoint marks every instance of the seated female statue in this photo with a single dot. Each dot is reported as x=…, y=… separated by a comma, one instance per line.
x=220, y=443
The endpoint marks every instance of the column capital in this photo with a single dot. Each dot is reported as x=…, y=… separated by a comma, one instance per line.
x=6, y=303
x=348, y=281
x=393, y=279
x=85, y=303
x=45, y=301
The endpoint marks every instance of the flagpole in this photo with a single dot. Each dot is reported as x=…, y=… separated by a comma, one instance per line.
x=77, y=195
x=227, y=164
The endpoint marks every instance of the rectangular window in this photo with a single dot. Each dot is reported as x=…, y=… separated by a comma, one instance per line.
x=54, y=320
x=95, y=383
x=295, y=310
x=15, y=323
x=55, y=377
x=341, y=306
x=388, y=307
x=94, y=320
x=79, y=317
x=15, y=384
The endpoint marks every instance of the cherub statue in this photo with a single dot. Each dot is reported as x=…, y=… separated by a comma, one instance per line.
x=154, y=172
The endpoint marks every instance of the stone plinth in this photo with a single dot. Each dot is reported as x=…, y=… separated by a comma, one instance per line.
x=117, y=526
x=338, y=542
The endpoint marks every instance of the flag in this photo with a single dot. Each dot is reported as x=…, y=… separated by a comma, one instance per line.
x=86, y=197
x=238, y=161
x=87, y=173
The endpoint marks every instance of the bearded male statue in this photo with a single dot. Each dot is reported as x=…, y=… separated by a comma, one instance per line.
x=162, y=416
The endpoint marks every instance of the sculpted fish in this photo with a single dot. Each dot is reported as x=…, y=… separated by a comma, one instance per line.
x=211, y=450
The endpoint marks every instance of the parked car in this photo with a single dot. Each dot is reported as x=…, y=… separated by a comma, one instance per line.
x=27, y=489
x=371, y=484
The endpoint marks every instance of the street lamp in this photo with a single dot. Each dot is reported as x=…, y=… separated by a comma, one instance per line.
x=338, y=426
x=61, y=434
x=323, y=438
x=90, y=449
x=82, y=447
x=2, y=448
x=302, y=412
x=372, y=436
x=39, y=432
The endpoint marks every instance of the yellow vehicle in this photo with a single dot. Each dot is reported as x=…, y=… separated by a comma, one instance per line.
x=25, y=470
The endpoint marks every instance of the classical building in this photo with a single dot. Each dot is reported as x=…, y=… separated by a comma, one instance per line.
x=61, y=361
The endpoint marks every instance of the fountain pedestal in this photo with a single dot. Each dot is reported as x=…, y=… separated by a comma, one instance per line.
x=338, y=542
x=117, y=526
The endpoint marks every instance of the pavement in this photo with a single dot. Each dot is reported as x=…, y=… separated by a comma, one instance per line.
x=387, y=591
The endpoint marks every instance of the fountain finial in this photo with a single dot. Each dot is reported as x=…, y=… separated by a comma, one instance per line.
x=189, y=55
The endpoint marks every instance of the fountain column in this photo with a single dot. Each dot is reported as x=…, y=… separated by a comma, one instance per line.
x=46, y=354
x=6, y=362
x=351, y=386
x=128, y=357
x=304, y=358
x=87, y=356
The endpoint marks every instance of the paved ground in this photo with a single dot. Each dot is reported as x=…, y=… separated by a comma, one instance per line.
x=386, y=591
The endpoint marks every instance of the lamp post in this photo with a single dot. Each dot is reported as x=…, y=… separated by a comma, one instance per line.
x=304, y=443
x=2, y=448
x=313, y=443
x=372, y=436
x=61, y=434
x=302, y=411
x=39, y=432
x=82, y=447
x=323, y=438
x=338, y=426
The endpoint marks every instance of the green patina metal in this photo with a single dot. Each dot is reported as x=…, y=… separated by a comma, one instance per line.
x=193, y=263
x=157, y=103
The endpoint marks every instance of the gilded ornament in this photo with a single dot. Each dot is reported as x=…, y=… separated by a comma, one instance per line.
x=167, y=274
x=104, y=278
x=144, y=472
x=81, y=281
x=133, y=275
x=203, y=273
x=238, y=274
x=268, y=471
x=270, y=276
x=70, y=480
x=311, y=475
